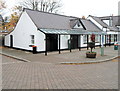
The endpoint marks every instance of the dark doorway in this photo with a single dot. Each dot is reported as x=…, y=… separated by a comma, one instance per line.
x=11, y=40
x=74, y=41
x=52, y=42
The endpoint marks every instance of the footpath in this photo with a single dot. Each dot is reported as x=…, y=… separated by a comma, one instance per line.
x=66, y=57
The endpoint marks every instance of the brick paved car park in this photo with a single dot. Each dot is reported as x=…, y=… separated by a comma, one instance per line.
x=43, y=75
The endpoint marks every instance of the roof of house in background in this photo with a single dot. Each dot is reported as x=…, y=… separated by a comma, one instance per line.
x=115, y=19
x=99, y=21
x=115, y=22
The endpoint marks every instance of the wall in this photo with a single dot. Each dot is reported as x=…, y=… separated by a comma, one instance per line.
x=21, y=34
x=85, y=44
x=64, y=41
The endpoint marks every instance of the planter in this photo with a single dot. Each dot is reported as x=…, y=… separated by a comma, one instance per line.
x=91, y=54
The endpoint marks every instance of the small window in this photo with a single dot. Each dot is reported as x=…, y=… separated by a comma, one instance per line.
x=32, y=39
x=78, y=24
x=84, y=39
x=112, y=38
x=97, y=38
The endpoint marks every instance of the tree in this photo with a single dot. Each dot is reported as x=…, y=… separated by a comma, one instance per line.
x=17, y=9
x=12, y=22
x=42, y=5
x=2, y=7
x=2, y=4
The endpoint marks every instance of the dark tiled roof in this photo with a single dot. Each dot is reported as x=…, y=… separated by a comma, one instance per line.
x=115, y=19
x=49, y=20
x=73, y=22
x=45, y=20
x=115, y=22
x=90, y=26
x=100, y=21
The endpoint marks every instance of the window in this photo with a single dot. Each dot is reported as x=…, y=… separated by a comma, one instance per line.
x=112, y=38
x=84, y=38
x=32, y=39
x=97, y=38
x=78, y=24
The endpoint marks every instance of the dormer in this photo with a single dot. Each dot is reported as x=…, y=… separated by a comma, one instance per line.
x=75, y=24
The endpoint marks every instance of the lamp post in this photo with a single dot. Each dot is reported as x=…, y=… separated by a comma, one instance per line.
x=102, y=44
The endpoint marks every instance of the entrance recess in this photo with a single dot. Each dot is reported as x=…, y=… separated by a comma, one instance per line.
x=74, y=41
x=11, y=40
x=52, y=42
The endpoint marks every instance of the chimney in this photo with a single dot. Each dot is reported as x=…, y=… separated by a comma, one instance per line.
x=83, y=17
x=110, y=20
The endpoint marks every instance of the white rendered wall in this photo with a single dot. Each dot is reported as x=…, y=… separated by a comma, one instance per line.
x=85, y=44
x=40, y=41
x=106, y=21
x=64, y=41
x=21, y=34
x=7, y=42
x=82, y=42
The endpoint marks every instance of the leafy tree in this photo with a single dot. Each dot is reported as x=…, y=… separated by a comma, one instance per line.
x=13, y=21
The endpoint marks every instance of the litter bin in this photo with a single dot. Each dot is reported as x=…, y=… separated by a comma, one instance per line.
x=115, y=46
x=34, y=49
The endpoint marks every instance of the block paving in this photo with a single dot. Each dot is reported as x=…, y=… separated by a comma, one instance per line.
x=46, y=72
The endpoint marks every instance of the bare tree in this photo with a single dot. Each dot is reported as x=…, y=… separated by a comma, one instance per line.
x=42, y=5
x=2, y=4
x=17, y=9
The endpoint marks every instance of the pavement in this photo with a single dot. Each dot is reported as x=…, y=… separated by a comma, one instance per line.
x=66, y=57
x=46, y=72
x=45, y=76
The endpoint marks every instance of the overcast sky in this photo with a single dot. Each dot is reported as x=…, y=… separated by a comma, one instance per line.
x=81, y=8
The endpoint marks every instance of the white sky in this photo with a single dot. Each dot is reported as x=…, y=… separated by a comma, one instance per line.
x=81, y=8
x=90, y=7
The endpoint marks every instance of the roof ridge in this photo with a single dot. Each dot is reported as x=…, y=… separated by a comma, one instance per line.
x=51, y=13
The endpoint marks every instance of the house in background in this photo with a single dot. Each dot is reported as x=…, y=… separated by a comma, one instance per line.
x=90, y=27
x=51, y=32
x=110, y=25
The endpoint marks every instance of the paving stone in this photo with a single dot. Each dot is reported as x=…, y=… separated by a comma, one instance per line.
x=39, y=75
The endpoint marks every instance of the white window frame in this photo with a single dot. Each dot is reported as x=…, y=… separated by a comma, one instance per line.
x=84, y=39
x=32, y=39
x=97, y=38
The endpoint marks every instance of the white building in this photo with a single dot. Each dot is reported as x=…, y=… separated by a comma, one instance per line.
x=110, y=25
x=51, y=32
